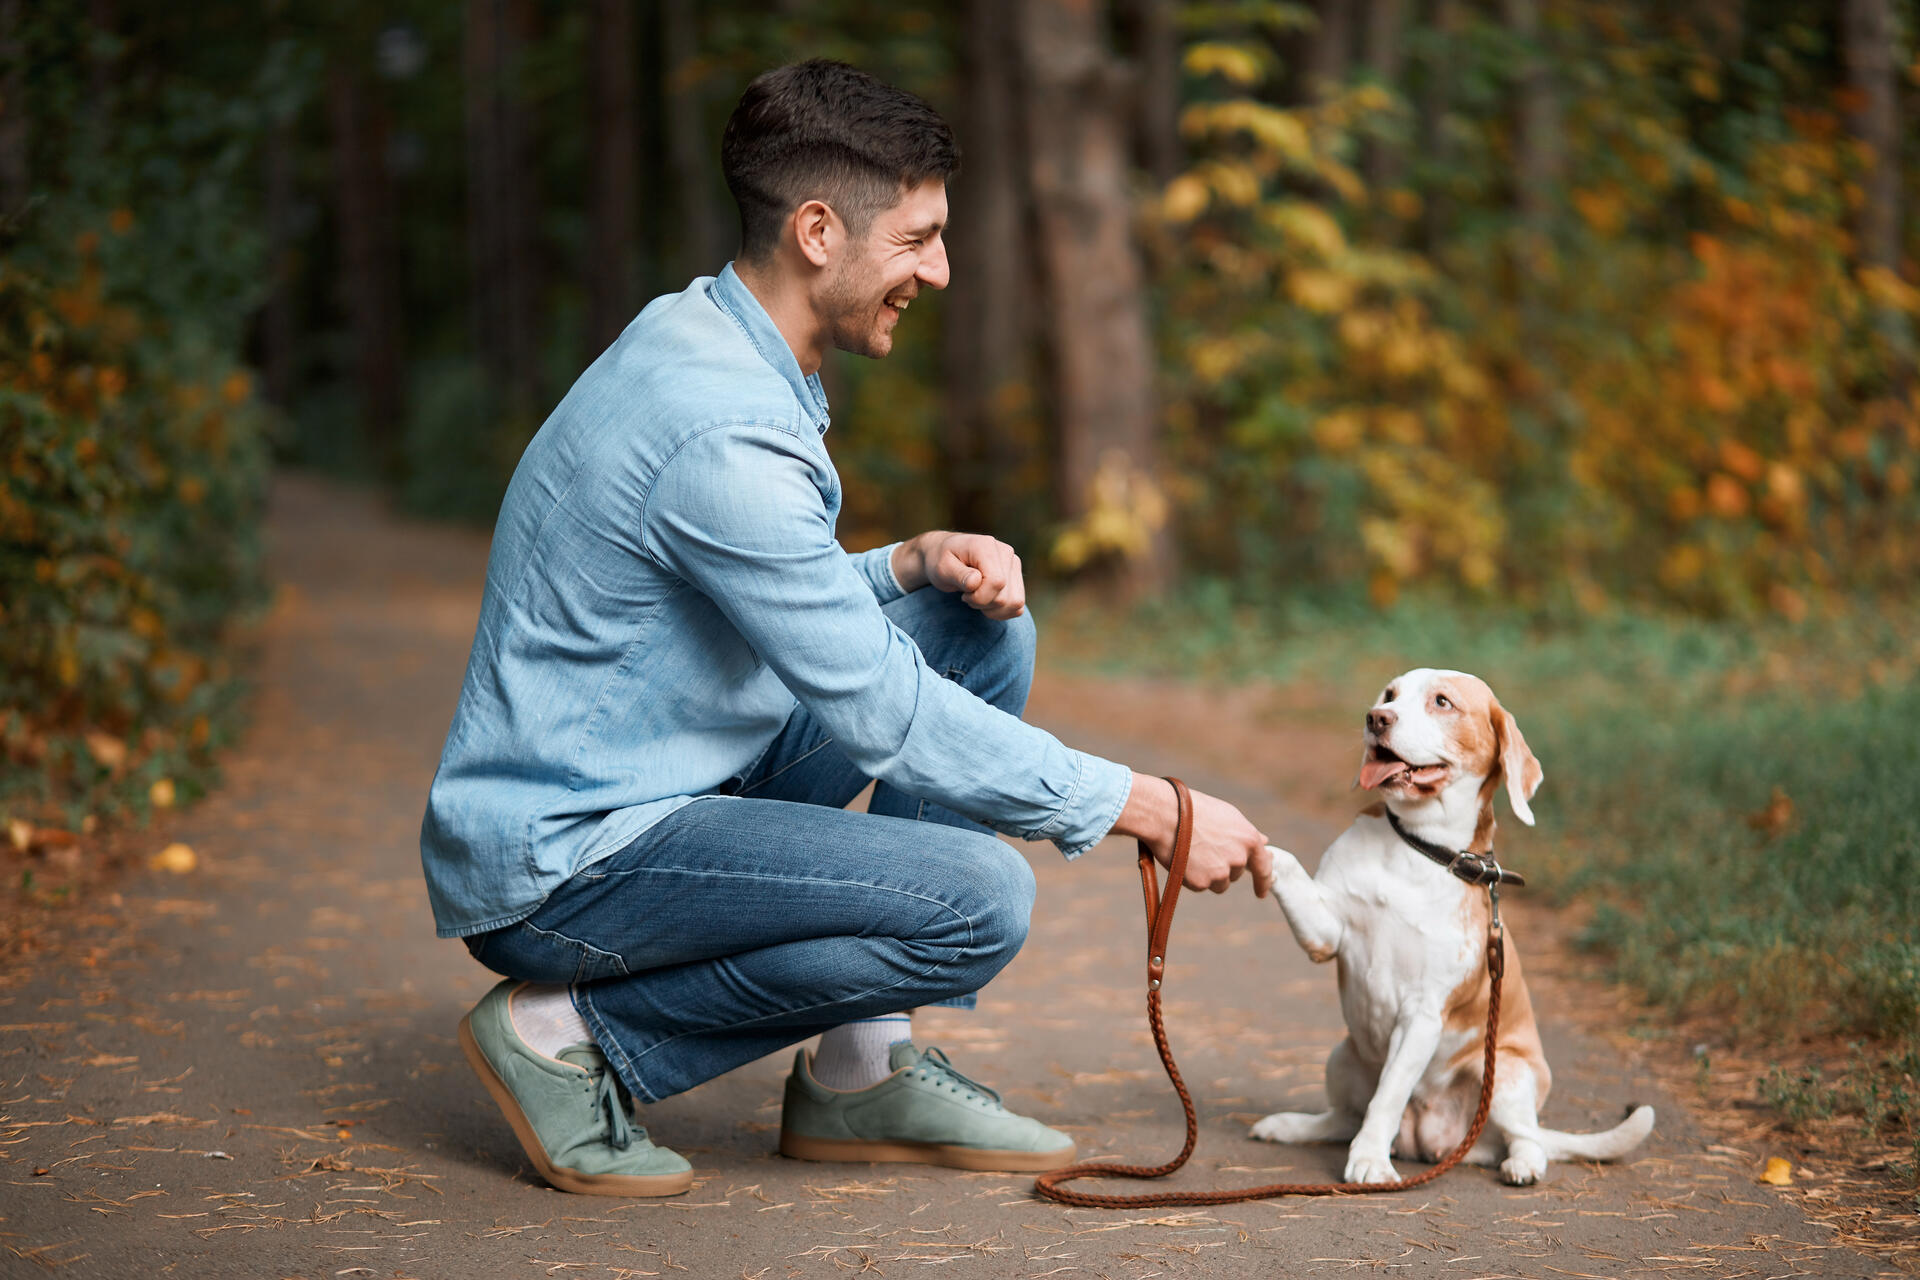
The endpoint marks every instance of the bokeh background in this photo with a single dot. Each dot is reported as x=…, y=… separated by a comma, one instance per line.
x=1568, y=341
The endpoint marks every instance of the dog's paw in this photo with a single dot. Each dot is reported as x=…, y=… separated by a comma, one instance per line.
x=1522, y=1167
x=1370, y=1167
x=1282, y=1126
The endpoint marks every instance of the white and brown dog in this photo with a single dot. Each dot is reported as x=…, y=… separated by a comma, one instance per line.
x=1410, y=940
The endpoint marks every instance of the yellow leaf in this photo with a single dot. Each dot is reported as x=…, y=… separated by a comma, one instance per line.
x=108, y=750
x=1185, y=198
x=1232, y=62
x=177, y=858
x=1778, y=1173
x=20, y=833
x=162, y=794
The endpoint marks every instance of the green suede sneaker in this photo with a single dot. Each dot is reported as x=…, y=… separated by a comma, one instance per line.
x=570, y=1112
x=924, y=1113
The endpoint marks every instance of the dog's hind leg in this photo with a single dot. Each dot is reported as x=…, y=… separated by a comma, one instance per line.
x=1515, y=1113
x=1337, y=1124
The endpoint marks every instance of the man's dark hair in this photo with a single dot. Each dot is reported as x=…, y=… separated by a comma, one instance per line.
x=822, y=130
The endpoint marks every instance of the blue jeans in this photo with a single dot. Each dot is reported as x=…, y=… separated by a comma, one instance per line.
x=767, y=913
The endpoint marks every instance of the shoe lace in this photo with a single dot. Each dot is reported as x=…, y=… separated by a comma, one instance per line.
x=611, y=1097
x=935, y=1059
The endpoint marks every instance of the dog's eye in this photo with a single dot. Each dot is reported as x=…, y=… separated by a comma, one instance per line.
x=1440, y=700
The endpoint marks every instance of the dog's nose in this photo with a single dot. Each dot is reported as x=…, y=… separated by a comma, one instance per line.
x=1380, y=719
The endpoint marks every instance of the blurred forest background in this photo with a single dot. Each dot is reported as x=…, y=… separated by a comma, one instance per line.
x=1568, y=340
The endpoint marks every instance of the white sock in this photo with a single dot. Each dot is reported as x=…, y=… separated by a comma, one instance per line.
x=545, y=1018
x=854, y=1055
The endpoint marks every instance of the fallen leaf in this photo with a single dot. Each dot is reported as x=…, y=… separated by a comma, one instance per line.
x=1778, y=1173
x=161, y=793
x=21, y=834
x=1774, y=818
x=108, y=750
x=177, y=858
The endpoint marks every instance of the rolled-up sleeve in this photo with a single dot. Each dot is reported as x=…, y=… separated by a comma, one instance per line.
x=742, y=513
x=876, y=566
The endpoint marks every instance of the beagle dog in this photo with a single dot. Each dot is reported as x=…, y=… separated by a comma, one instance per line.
x=1409, y=939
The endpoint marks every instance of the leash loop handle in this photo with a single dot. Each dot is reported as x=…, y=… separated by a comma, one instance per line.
x=1159, y=910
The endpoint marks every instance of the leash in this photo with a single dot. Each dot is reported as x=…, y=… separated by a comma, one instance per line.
x=1159, y=922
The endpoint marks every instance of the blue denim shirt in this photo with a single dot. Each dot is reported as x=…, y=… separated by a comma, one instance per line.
x=664, y=583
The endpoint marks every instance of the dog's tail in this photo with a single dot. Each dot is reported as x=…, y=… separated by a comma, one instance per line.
x=1608, y=1144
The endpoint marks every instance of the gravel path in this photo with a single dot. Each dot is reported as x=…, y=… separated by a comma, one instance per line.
x=250, y=1069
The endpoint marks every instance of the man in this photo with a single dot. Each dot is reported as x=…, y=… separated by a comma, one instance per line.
x=679, y=679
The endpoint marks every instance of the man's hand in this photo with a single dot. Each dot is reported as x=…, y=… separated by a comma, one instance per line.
x=1225, y=845
x=984, y=570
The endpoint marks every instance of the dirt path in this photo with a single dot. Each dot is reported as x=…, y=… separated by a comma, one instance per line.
x=250, y=1070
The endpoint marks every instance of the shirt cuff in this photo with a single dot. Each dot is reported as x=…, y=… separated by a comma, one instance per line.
x=876, y=566
x=1089, y=815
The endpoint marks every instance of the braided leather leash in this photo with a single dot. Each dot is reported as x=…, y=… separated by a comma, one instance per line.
x=1159, y=922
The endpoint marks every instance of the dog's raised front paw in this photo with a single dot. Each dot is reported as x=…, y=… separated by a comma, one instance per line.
x=1370, y=1167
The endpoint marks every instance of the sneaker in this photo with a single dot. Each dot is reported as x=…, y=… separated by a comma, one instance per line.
x=569, y=1112
x=926, y=1112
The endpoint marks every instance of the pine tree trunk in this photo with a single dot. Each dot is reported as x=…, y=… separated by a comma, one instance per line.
x=1436, y=100
x=1539, y=160
x=503, y=248
x=612, y=198
x=369, y=266
x=986, y=321
x=1154, y=48
x=692, y=156
x=1095, y=309
x=15, y=173
x=1867, y=40
x=1332, y=48
x=1384, y=22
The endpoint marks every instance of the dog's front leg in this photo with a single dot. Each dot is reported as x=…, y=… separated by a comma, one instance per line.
x=1315, y=927
x=1409, y=1050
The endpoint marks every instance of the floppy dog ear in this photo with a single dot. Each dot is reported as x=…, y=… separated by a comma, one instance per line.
x=1523, y=772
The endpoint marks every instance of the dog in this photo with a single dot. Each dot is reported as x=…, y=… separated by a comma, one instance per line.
x=1410, y=942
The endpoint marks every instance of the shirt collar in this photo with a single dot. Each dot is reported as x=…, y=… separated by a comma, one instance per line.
x=730, y=293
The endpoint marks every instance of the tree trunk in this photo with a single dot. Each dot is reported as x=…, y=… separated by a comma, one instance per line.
x=1868, y=42
x=1332, y=48
x=368, y=263
x=611, y=189
x=1154, y=48
x=692, y=156
x=15, y=174
x=1095, y=309
x=1385, y=19
x=1436, y=100
x=278, y=328
x=503, y=247
x=987, y=327
x=1539, y=159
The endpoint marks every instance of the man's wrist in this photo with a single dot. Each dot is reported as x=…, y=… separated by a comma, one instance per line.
x=1151, y=810
x=909, y=561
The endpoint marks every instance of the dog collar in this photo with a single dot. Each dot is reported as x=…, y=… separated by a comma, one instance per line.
x=1474, y=868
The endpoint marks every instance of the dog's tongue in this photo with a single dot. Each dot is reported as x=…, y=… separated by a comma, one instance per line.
x=1374, y=772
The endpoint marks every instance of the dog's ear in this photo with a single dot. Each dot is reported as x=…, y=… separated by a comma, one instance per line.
x=1516, y=762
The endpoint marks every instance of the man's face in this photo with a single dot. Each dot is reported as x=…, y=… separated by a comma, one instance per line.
x=874, y=278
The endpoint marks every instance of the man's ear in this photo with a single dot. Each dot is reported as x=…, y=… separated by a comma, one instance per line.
x=817, y=230
x=1523, y=772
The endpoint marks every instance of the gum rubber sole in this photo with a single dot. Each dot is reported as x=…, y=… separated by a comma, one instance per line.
x=586, y=1184
x=978, y=1159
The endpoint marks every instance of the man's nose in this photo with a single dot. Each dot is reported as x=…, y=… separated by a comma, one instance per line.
x=1380, y=719
x=933, y=271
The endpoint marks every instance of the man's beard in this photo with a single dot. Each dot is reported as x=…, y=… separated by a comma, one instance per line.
x=853, y=319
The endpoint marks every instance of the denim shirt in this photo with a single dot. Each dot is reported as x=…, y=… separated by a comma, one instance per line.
x=663, y=585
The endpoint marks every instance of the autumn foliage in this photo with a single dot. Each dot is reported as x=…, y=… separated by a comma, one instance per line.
x=135, y=464
x=1685, y=392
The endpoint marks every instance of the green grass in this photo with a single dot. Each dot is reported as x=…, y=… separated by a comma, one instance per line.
x=1737, y=805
